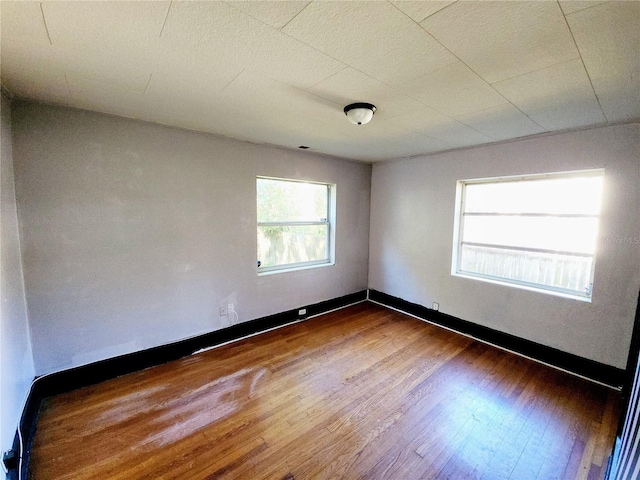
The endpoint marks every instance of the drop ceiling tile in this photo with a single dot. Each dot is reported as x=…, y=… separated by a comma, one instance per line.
x=570, y=6
x=419, y=10
x=502, y=122
x=373, y=37
x=453, y=90
x=608, y=37
x=276, y=14
x=501, y=40
x=556, y=97
x=214, y=32
x=350, y=85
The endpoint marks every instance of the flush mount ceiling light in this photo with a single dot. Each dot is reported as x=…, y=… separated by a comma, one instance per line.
x=359, y=113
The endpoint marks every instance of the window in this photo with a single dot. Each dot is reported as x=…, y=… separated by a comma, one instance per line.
x=294, y=224
x=537, y=232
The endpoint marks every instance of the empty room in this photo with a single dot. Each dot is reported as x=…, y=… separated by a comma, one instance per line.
x=320, y=239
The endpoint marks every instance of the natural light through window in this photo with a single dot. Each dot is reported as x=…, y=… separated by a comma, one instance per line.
x=536, y=231
x=294, y=224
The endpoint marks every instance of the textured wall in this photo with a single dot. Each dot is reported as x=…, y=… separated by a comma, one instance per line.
x=16, y=361
x=134, y=234
x=412, y=217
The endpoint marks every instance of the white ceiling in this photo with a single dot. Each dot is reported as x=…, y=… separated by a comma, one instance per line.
x=443, y=74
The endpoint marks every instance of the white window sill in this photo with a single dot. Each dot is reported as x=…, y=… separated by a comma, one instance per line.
x=529, y=288
x=294, y=269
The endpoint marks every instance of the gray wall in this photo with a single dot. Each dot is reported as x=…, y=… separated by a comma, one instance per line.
x=134, y=234
x=411, y=239
x=16, y=361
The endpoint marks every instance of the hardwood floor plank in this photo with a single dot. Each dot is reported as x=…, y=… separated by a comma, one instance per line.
x=364, y=392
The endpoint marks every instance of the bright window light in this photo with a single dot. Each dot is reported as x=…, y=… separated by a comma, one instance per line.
x=294, y=224
x=537, y=232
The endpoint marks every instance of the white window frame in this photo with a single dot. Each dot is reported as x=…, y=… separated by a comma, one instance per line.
x=329, y=222
x=456, y=258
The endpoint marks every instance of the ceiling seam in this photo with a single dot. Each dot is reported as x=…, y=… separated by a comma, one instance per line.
x=465, y=64
x=432, y=14
x=538, y=69
x=44, y=21
x=582, y=61
x=147, y=85
x=166, y=17
x=583, y=9
x=232, y=80
x=294, y=17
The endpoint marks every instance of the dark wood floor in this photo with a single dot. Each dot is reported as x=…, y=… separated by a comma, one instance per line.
x=364, y=392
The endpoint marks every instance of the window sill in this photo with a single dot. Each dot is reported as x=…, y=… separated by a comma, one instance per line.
x=520, y=286
x=294, y=269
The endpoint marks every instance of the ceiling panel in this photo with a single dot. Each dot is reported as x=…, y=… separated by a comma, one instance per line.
x=373, y=37
x=215, y=32
x=556, y=97
x=501, y=40
x=443, y=74
x=608, y=36
x=502, y=122
x=453, y=90
x=276, y=14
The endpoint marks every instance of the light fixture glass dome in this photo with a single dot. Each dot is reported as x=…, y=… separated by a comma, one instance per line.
x=359, y=113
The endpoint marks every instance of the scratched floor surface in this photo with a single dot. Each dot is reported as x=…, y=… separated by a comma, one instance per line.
x=364, y=392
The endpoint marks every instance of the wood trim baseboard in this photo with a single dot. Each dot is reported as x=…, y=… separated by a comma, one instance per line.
x=78, y=377
x=590, y=369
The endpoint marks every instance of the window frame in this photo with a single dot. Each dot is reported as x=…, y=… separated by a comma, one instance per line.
x=329, y=222
x=458, y=235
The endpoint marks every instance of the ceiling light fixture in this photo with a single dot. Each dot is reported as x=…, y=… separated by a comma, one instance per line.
x=359, y=113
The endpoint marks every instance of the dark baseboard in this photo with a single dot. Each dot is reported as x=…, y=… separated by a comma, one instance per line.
x=67, y=380
x=590, y=369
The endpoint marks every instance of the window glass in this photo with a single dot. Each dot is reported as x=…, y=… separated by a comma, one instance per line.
x=294, y=227
x=538, y=231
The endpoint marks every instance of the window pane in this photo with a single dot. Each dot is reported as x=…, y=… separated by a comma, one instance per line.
x=576, y=235
x=280, y=245
x=283, y=201
x=564, y=195
x=558, y=271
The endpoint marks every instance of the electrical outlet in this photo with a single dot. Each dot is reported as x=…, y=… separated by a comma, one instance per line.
x=302, y=311
x=224, y=311
x=231, y=308
x=436, y=306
